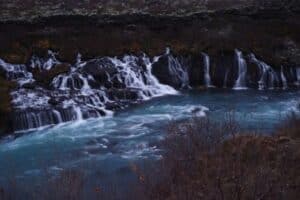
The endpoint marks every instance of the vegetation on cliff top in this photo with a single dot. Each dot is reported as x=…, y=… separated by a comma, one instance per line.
x=27, y=10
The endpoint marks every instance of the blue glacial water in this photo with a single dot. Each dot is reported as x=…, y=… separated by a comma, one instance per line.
x=106, y=147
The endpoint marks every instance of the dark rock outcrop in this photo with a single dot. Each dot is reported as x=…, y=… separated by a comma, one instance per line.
x=276, y=39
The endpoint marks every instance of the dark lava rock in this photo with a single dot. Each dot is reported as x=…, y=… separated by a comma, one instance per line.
x=29, y=86
x=102, y=70
x=44, y=78
x=164, y=74
x=53, y=102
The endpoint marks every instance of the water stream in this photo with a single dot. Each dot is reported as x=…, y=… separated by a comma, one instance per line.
x=106, y=113
x=108, y=145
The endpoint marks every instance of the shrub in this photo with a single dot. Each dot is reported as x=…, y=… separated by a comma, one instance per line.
x=206, y=160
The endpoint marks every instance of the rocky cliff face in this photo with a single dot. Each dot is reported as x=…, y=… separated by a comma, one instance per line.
x=267, y=28
x=26, y=10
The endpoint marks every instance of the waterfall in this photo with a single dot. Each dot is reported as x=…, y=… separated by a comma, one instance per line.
x=57, y=116
x=206, y=61
x=133, y=76
x=100, y=86
x=72, y=81
x=268, y=77
x=78, y=113
x=16, y=72
x=157, y=89
x=283, y=79
x=177, y=69
x=90, y=89
x=78, y=58
x=226, y=79
x=240, y=83
x=32, y=120
x=297, y=82
x=44, y=63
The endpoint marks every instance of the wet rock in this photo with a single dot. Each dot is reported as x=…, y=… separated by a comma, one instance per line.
x=101, y=70
x=45, y=77
x=53, y=102
x=124, y=94
x=123, y=81
x=29, y=85
x=195, y=65
x=223, y=69
x=171, y=70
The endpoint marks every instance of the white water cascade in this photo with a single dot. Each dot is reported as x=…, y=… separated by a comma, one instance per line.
x=98, y=87
x=133, y=76
x=207, y=79
x=240, y=83
x=58, y=116
x=90, y=89
x=44, y=63
x=17, y=72
x=78, y=113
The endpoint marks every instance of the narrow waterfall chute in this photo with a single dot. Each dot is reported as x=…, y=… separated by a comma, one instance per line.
x=78, y=113
x=240, y=83
x=206, y=61
x=57, y=116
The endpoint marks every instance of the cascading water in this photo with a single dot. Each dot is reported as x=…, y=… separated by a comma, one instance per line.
x=90, y=89
x=206, y=61
x=44, y=64
x=177, y=70
x=98, y=87
x=132, y=75
x=16, y=72
x=297, y=76
x=268, y=77
x=240, y=83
